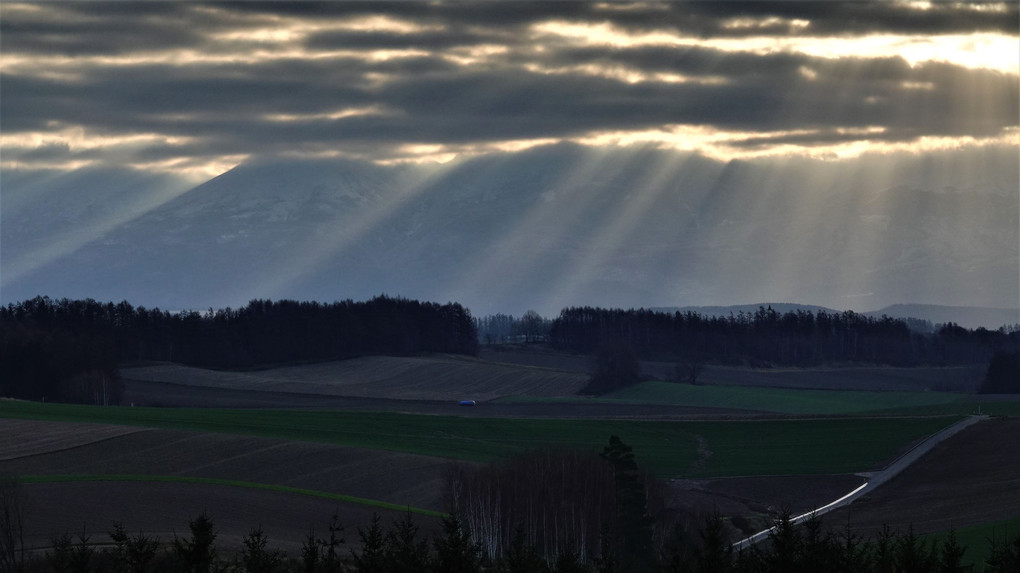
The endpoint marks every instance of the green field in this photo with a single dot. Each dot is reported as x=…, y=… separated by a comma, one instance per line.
x=976, y=539
x=801, y=402
x=787, y=401
x=692, y=449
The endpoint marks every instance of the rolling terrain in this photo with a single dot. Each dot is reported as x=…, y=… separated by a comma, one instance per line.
x=376, y=434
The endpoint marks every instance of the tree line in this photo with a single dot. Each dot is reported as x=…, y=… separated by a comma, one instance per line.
x=767, y=337
x=402, y=548
x=68, y=350
x=627, y=545
x=502, y=328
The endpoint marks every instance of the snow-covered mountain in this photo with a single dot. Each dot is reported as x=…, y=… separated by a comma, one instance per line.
x=545, y=228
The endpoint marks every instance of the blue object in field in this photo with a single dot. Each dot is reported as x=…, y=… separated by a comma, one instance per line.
x=467, y=402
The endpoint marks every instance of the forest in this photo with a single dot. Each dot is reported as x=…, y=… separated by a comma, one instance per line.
x=767, y=338
x=69, y=350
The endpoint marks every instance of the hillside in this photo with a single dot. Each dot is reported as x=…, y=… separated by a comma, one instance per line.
x=440, y=378
x=546, y=228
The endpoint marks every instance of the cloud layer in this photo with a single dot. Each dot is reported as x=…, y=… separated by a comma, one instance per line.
x=201, y=87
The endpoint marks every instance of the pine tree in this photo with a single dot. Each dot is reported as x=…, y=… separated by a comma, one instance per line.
x=198, y=553
x=405, y=551
x=455, y=553
x=372, y=558
x=634, y=525
x=951, y=554
x=521, y=556
x=255, y=555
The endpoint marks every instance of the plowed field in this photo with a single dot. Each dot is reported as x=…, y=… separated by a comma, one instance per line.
x=971, y=478
x=70, y=449
x=164, y=509
x=402, y=378
x=404, y=479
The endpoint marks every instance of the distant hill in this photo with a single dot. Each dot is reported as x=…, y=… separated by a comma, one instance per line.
x=780, y=307
x=965, y=316
x=544, y=229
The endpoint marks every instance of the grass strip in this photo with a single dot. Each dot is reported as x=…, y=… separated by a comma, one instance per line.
x=668, y=448
x=977, y=539
x=779, y=400
x=69, y=478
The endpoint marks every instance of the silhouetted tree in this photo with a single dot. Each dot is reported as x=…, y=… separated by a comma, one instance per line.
x=950, y=554
x=1003, y=374
x=455, y=552
x=372, y=558
x=406, y=552
x=616, y=366
x=633, y=523
x=12, y=524
x=521, y=556
x=197, y=553
x=1004, y=555
x=133, y=554
x=256, y=555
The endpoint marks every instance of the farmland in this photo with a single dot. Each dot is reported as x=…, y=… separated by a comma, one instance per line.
x=670, y=448
x=287, y=447
x=971, y=479
x=406, y=378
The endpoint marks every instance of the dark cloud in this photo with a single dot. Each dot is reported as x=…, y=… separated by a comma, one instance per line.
x=226, y=105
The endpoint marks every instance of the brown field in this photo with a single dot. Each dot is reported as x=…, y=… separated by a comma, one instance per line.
x=757, y=499
x=404, y=479
x=141, y=393
x=164, y=509
x=28, y=437
x=870, y=378
x=971, y=478
x=403, y=378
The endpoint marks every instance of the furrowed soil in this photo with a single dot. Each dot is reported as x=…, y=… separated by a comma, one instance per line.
x=403, y=378
x=973, y=483
x=28, y=437
x=403, y=479
x=165, y=394
x=163, y=510
x=871, y=378
x=970, y=479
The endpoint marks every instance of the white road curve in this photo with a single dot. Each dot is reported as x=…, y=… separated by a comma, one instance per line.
x=874, y=479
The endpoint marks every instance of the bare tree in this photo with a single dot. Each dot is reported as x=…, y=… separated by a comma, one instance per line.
x=12, y=525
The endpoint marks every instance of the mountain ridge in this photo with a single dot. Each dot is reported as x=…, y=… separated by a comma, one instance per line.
x=542, y=229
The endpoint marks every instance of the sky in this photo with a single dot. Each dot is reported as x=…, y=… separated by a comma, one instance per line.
x=803, y=92
x=194, y=89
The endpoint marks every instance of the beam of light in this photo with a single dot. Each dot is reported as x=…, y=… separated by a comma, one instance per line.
x=77, y=138
x=978, y=50
x=66, y=241
x=603, y=250
x=725, y=145
x=341, y=235
x=501, y=266
x=195, y=169
x=100, y=148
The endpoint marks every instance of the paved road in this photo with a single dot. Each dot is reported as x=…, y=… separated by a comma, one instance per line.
x=874, y=479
